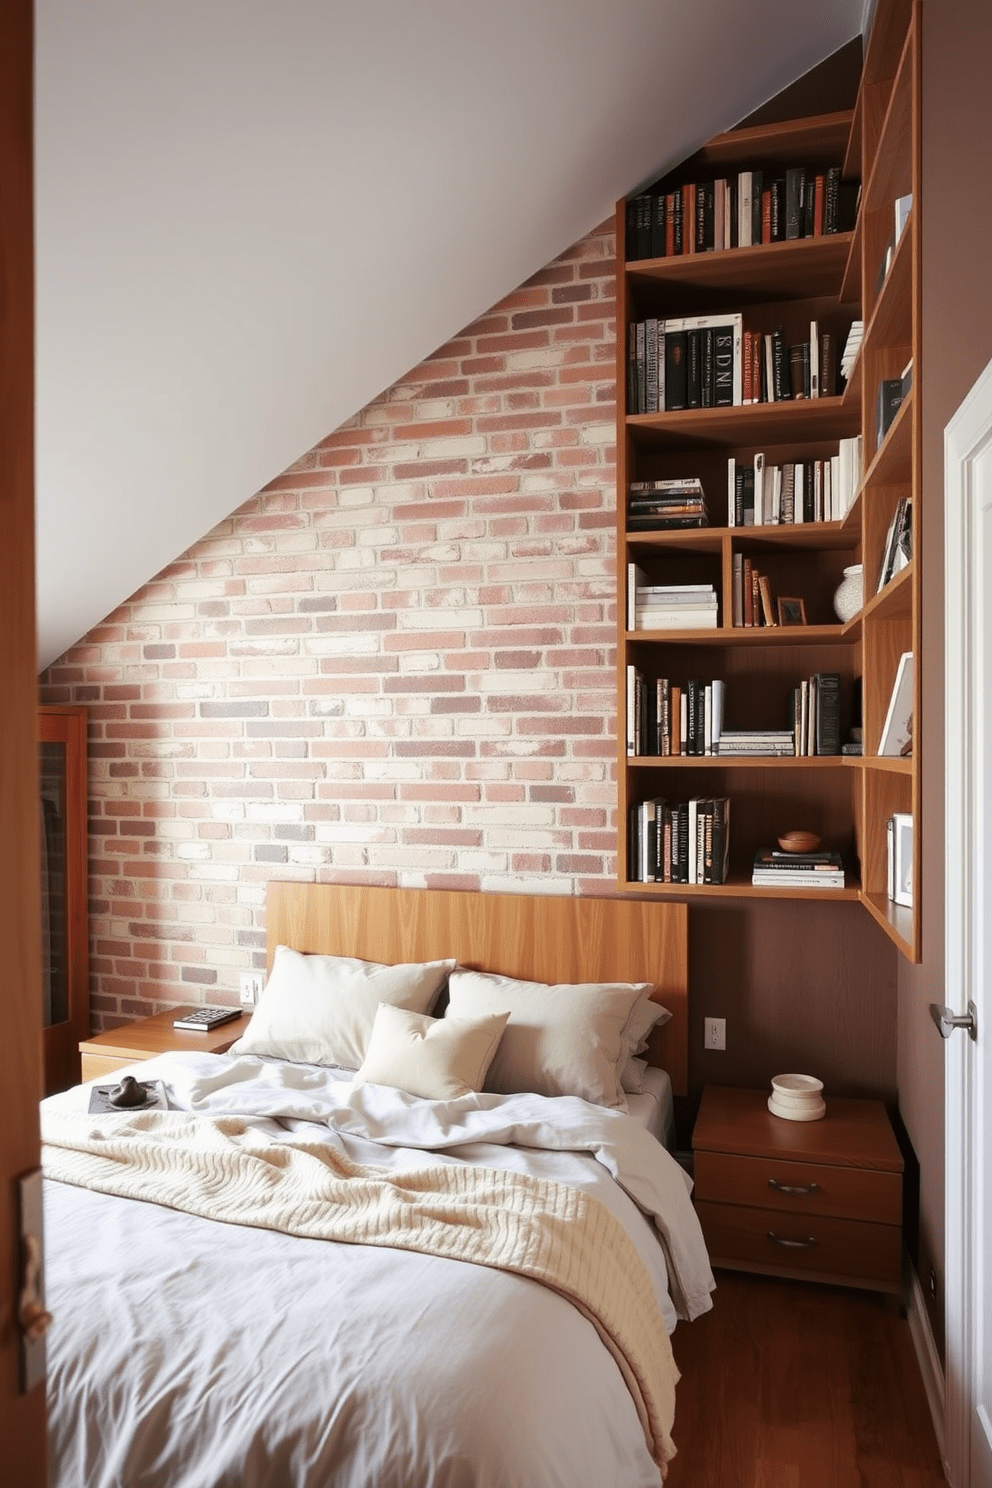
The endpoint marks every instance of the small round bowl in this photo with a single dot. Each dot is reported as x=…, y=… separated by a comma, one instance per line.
x=797, y=1089
x=799, y=842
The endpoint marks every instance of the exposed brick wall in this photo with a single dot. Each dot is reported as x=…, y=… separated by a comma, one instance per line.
x=394, y=665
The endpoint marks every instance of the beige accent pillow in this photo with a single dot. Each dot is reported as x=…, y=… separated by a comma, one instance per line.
x=566, y=1039
x=436, y=1058
x=321, y=1009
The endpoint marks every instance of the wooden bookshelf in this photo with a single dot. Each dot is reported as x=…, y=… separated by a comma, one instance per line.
x=833, y=278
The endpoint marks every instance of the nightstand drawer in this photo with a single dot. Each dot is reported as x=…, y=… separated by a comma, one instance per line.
x=95, y=1066
x=844, y=1249
x=763, y=1182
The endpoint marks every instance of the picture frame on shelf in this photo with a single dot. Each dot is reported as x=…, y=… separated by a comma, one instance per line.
x=791, y=611
x=897, y=730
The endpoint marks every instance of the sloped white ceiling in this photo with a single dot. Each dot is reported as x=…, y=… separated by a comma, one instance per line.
x=252, y=216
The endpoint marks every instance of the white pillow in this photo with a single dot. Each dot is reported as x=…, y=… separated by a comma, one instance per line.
x=436, y=1058
x=321, y=1009
x=646, y=1016
x=567, y=1039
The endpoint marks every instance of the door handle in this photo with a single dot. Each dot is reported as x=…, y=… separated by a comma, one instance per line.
x=947, y=1020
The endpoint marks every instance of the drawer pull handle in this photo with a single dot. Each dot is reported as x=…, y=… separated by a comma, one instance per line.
x=792, y=1244
x=792, y=1188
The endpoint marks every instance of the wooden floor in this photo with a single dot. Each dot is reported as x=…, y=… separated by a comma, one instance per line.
x=786, y=1385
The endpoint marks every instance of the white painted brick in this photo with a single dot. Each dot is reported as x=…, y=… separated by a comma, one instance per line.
x=428, y=619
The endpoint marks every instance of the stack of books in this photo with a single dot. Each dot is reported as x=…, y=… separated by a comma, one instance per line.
x=734, y=742
x=668, y=606
x=776, y=869
x=657, y=505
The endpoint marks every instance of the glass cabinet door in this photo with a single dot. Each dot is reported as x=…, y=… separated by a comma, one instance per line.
x=64, y=933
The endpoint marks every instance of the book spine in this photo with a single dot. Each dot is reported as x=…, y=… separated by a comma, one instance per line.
x=827, y=712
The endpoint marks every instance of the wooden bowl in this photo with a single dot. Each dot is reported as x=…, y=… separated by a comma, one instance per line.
x=799, y=842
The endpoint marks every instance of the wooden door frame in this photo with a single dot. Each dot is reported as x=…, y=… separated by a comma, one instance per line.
x=967, y=438
x=22, y=1416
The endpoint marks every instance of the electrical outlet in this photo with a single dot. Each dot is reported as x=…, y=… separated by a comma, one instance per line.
x=251, y=988
x=715, y=1033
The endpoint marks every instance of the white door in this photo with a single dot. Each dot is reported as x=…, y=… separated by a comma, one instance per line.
x=968, y=1070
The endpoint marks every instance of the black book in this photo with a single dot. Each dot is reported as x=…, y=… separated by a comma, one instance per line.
x=795, y=179
x=781, y=390
x=723, y=367
x=683, y=818
x=658, y=225
x=676, y=372
x=756, y=190
x=675, y=206
x=744, y=497
x=633, y=207
x=706, y=377
x=640, y=403
x=634, y=845
x=665, y=524
x=890, y=396
x=831, y=200
x=732, y=208
x=708, y=193
x=632, y=367
x=778, y=209
x=694, y=369
x=798, y=369
x=720, y=852
x=650, y=366
x=827, y=686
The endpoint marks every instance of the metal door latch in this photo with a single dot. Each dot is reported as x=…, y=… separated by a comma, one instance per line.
x=947, y=1021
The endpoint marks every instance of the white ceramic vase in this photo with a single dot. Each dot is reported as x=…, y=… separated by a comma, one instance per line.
x=850, y=594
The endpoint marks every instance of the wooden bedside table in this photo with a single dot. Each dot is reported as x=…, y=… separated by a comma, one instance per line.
x=106, y=1053
x=817, y=1200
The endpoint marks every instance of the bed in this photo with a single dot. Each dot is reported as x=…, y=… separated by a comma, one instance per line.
x=448, y=1251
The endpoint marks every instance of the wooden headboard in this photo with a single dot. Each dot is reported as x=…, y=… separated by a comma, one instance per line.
x=531, y=936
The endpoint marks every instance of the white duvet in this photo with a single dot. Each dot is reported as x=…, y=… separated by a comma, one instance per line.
x=187, y=1353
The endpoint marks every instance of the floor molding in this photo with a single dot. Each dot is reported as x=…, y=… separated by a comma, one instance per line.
x=927, y=1357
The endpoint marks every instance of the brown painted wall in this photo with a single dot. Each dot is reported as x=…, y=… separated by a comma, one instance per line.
x=957, y=344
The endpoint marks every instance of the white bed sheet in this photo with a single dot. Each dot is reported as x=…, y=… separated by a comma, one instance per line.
x=653, y=1108
x=199, y=1355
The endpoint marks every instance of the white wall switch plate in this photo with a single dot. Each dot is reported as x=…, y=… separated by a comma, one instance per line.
x=251, y=987
x=715, y=1033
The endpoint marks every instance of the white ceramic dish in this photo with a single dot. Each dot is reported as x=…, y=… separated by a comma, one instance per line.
x=807, y=1111
x=792, y=1087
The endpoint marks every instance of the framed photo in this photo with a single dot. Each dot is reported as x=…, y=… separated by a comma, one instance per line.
x=791, y=611
x=899, y=845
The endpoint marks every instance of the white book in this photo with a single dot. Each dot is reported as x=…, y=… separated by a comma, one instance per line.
x=745, y=193
x=897, y=730
x=731, y=492
x=814, y=358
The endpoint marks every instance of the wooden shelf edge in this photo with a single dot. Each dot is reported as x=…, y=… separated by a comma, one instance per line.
x=896, y=920
x=737, y=889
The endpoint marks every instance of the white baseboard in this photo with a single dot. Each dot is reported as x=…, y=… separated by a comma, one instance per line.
x=927, y=1358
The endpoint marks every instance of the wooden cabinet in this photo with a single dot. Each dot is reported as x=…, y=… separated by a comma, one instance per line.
x=64, y=919
x=832, y=280
x=106, y=1053
x=817, y=1199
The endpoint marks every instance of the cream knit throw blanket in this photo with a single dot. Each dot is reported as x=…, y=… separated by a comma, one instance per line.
x=224, y=1169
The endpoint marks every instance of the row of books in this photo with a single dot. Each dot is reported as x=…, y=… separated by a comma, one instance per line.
x=898, y=550
x=684, y=842
x=656, y=505
x=711, y=361
x=752, y=601
x=760, y=494
x=668, y=606
x=666, y=719
x=775, y=869
x=738, y=211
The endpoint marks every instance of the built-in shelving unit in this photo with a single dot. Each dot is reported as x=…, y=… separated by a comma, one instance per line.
x=833, y=279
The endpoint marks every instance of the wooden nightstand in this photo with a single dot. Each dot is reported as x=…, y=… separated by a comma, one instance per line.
x=106, y=1053
x=819, y=1200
